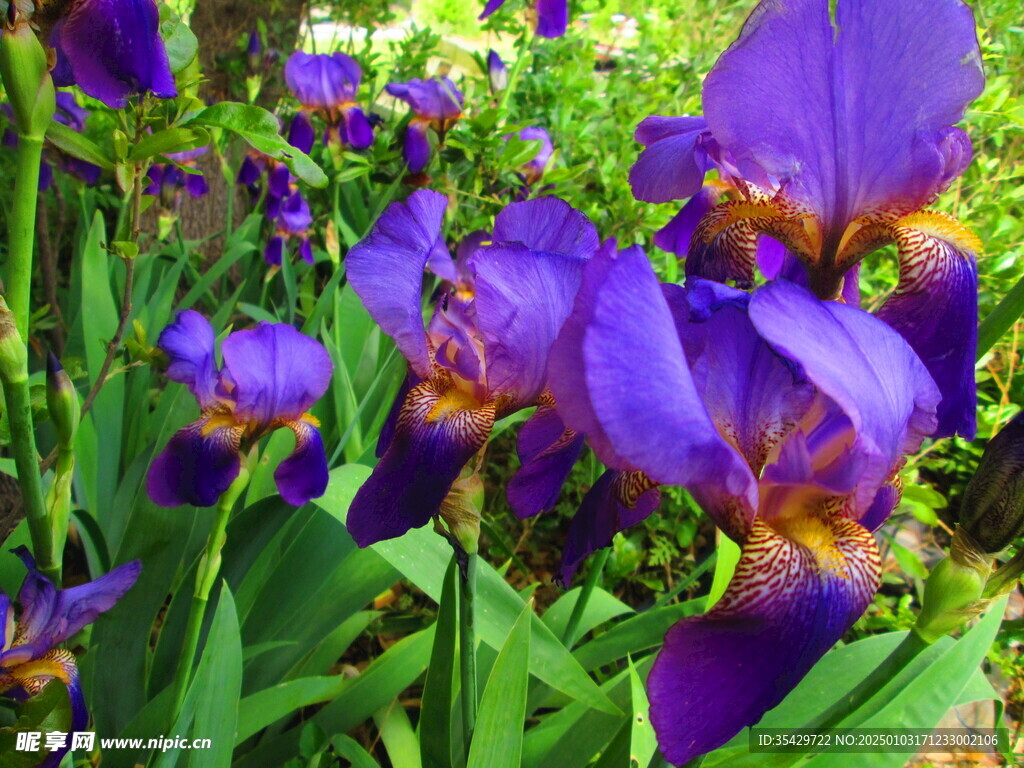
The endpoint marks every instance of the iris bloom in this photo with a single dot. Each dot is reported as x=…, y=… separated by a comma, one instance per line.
x=829, y=140
x=534, y=168
x=552, y=16
x=166, y=180
x=436, y=104
x=482, y=356
x=328, y=84
x=787, y=419
x=112, y=49
x=29, y=656
x=271, y=376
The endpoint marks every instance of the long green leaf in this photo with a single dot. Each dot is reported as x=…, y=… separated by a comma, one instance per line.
x=1001, y=319
x=436, y=713
x=498, y=738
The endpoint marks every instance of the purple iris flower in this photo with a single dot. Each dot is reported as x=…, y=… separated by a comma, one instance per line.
x=29, y=658
x=482, y=356
x=437, y=104
x=829, y=139
x=271, y=376
x=166, y=180
x=534, y=168
x=328, y=84
x=552, y=16
x=112, y=50
x=787, y=419
x=293, y=223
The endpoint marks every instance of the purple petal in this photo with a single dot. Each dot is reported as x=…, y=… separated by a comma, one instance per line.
x=863, y=365
x=188, y=342
x=617, y=501
x=6, y=623
x=303, y=475
x=786, y=606
x=295, y=217
x=386, y=270
x=522, y=299
x=358, y=131
x=416, y=149
x=536, y=165
x=322, y=81
x=497, y=72
x=197, y=465
x=433, y=440
x=675, y=236
x=547, y=452
x=279, y=183
x=273, y=254
x=114, y=50
x=436, y=99
x=851, y=117
x=300, y=133
x=306, y=250
x=673, y=165
x=491, y=7
x=195, y=184
x=935, y=308
x=552, y=17
x=249, y=173
x=278, y=373
x=547, y=224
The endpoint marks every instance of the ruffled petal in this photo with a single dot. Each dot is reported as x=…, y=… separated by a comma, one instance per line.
x=114, y=50
x=547, y=452
x=935, y=308
x=386, y=270
x=547, y=224
x=189, y=344
x=197, y=465
x=617, y=501
x=791, y=598
x=850, y=117
x=436, y=99
x=303, y=475
x=522, y=299
x=278, y=372
x=673, y=165
x=320, y=80
x=436, y=434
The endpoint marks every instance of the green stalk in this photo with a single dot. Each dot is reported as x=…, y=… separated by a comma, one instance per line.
x=206, y=576
x=525, y=53
x=467, y=645
x=596, y=569
x=22, y=229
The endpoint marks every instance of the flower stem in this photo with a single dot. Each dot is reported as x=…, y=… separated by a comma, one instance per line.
x=206, y=576
x=21, y=230
x=525, y=53
x=596, y=569
x=467, y=645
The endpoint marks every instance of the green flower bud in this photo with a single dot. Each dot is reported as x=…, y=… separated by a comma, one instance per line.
x=62, y=401
x=461, y=509
x=992, y=510
x=13, y=355
x=26, y=76
x=953, y=592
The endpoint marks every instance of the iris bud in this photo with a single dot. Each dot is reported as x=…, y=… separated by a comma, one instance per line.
x=26, y=76
x=992, y=511
x=497, y=72
x=953, y=592
x=62, y=401
x=13, y=355
x=461, y=509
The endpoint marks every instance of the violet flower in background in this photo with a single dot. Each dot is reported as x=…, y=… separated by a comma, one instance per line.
x=293, y=222
x=551, y=16
x=112, y=50
x=534, y=168
x=328, y=84
x=437, y=104
x=167, y=180
x=815, y=184
x=787, y=419
x=271, y=377
x=497, y=72
x=482, y=356
x=29, y=656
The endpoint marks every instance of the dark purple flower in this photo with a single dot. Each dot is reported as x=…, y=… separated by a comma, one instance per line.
x=497, y=72
x=29, y=656
x=112, y=50
x=437, y=104
x=482, y=356
x=293, y=223
x=167, y=180
x=787, y=419
x=552, y=16
x=328, y=84
x=535, y=166
x=829, y=138
x=271, y=376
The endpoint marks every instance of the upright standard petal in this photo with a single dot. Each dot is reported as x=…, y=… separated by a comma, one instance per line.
x=197, y=465
x=849, y=118
x=793, y=595
x=435, y=99
x=188, y=343
x=321, y=80
x=522, y=299
x=386, y=270
x=547, y=224
x=547, y=451
x=416, y=147
x=673, y=165
x=935, y=308
x=114, y=50
x=277, y=372
x=303, y=474
x=438, y=430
